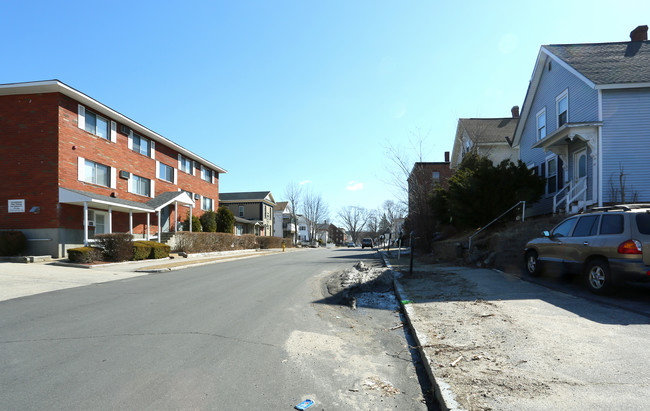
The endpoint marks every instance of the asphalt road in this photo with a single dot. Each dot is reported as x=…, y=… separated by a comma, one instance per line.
x=247, y=334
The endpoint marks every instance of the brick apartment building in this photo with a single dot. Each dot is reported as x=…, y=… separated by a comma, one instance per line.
x=73, y=168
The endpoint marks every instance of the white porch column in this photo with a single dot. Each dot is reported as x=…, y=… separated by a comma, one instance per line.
x=148, y=224
x=159, y=226
x=85, y=223
x=110, y=220
x=191, y=218
x=175, y=216
x=131, y=222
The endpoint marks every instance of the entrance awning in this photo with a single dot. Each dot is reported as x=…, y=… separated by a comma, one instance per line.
x=569, y=132
x=163, y=200
x=102, y=202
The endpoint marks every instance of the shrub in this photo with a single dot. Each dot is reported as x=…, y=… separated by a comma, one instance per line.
x=225, y=220
x=150, y=249
x=207, y=242
x=208, y=221
x=12, y=243
x=196, y=224
x=117, y=246
x=84, y=254
x=270, y=242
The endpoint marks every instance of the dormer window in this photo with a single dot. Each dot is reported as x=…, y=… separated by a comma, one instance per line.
x=562, y=108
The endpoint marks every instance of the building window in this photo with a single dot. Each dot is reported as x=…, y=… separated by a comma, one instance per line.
x=435, y=176
x=185, y=164
x=206, y=174
x=241, y=211
x=97, y=125
x=551, y=176
x=541, y=124
x=166, y=172
x=141, y=145
x=562, y=108
x=97, y=174
x=206, y=204
x=141, y=185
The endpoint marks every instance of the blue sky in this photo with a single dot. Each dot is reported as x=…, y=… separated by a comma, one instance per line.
x=302, y=91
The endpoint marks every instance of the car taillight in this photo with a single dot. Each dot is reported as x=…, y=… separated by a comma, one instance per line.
x=630, y=247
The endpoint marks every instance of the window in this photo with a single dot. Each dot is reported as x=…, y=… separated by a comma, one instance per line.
x=551, y=176
x=97, y=125
x=587, y=226
x=612, y=224
x=206, y=204
x=562, y=108
x=643, y=223
x=541, y=124
x=97, y=173
x=141, y=145
x=564, y=228
x=206, y=174
x=141, y=185
x=435, y=176
x=185, y=164
x=241, y=211
x=166, y=172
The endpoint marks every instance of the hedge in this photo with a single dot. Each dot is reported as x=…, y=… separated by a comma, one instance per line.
x=85, y=254
x=143, y=250
x=208, y=242
x=117, y=246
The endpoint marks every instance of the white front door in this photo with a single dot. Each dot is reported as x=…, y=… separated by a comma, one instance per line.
x=579, y=165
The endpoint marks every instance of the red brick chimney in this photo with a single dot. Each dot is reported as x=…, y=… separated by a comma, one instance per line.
x=446, y=156
x=639, y=34
x=515, y=111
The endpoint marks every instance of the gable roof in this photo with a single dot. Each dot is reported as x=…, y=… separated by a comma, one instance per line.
x=488, y=130
x=252, y=196
x=599, y=65
x=281, y=205
x=607, y=64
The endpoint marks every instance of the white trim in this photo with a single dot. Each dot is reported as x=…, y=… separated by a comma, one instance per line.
x=599, y=144
x=152, y=188
x=129, y=184
x=157, y=169
x=619, y=86
x=81, y=117
x=113, y=177
x=576, y=157
x=561, y=96
x=113, y=132
x=152, y=148
x=179, y=161
x=130, y=142
x=175, y=171
x=81, y=169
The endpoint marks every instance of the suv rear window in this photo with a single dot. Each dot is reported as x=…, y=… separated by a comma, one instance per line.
x=643, y=223
x=612, y=224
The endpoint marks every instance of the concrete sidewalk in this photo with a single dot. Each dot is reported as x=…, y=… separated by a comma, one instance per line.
x=20, y=279
x=490, y=340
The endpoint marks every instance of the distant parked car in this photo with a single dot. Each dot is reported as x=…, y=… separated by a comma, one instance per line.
x=608, y=245
x=350, y=244
x=366, y=242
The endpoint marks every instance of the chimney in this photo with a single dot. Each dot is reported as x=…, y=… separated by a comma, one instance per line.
x=446, y=156
x=639, y=34
x=515, y=111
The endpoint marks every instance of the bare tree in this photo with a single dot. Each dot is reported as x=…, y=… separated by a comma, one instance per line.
x=393, y=211
x=354, y=220
x=293, y=193
x=315, y=210
x=372, y=225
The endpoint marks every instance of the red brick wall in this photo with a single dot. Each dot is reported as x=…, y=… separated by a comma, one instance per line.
x=28, y=150
x=40, y=144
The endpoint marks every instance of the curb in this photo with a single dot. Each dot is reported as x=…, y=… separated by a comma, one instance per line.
x=443, y=394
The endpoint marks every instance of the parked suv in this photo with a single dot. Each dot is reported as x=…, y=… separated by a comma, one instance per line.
x=366, y=242
x=608, y=245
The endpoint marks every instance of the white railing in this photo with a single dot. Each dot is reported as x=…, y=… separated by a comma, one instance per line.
x=575, y=192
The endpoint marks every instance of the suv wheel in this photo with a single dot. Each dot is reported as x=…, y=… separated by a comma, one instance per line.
x=533, y=267
x=599, y=277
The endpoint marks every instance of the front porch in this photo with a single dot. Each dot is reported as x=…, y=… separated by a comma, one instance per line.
x=577, y=147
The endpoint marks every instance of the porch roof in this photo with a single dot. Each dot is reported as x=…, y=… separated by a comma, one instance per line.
x=102, y=202
x=568, y=132
x=247, y=222
x=164, y=199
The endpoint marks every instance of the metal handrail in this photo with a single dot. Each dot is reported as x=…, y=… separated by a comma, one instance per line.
x=523, y=218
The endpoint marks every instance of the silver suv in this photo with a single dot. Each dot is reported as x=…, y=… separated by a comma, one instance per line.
x=609, y=245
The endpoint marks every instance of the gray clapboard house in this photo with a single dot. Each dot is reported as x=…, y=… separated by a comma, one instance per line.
x=585, y=124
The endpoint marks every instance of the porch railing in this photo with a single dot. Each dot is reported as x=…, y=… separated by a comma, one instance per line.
x=574, y=192
x=523, y=218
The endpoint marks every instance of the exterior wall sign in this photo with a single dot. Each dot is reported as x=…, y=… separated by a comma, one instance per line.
x=16, y=206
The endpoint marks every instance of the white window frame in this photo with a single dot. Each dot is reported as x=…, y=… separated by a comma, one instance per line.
x=562, y=96
x=111, y=126
x=183, y=162
x=204, y=172
x=203, y=207
x=538, y=129
x=241, y=211
x=132, y=186
x=81, y=173
x=160, y=176
x=132, y=137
